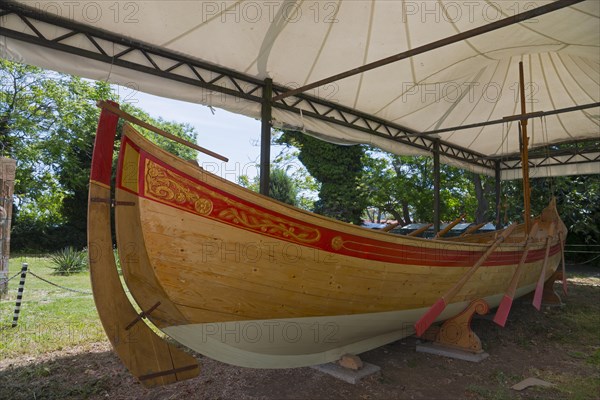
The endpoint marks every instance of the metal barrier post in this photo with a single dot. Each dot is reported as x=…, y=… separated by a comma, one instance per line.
x=20, y=294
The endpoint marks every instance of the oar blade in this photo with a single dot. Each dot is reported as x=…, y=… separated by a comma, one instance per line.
x=539, y=291
x=564, y=272
x=429, y=318
x=564, y=281
x=503, y=310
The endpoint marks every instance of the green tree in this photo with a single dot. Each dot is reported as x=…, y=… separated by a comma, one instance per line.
x=281, y=186
x=577, y=201
x=403, y=187
x=338, y=169
x=47, y=123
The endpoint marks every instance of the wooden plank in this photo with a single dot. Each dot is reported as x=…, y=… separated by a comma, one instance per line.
x=140, y=349
x=136, y=267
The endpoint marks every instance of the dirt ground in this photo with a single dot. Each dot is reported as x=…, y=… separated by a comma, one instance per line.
x=559, y=345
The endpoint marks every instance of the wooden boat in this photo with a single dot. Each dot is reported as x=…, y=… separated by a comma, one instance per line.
x=250, y=281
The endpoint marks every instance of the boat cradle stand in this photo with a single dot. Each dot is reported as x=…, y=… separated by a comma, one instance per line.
x=549, y=296
x=349, y=368
x=455, y=338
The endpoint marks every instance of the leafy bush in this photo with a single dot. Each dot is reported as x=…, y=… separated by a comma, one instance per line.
x=69, y=261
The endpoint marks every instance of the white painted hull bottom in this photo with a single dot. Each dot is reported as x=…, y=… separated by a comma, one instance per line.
x=301, y=342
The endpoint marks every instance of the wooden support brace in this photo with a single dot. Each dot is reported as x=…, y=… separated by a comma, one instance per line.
x=456, y=332
x=168, y=372
x=549, y=295
x=142, y=315
x=112, y=202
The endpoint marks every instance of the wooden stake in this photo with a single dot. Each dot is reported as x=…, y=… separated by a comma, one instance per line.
x=436, y=309
x=507, y=300
x=122, y=114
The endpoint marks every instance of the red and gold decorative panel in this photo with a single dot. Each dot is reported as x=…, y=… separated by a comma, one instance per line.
x=162, y=183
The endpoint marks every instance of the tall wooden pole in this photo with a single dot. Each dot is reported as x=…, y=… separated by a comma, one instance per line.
x=7, y=183
x=265, y=137
x=525, y=152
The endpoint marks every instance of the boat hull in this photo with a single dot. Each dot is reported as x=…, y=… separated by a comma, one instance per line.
x=253, y=282
x=300, y=342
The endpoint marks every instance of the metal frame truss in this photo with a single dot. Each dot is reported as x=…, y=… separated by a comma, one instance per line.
x=170, y=65
x=580, y=152
x=176, y=67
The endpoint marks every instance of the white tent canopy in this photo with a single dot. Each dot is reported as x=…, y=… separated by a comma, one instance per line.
x=298, y=42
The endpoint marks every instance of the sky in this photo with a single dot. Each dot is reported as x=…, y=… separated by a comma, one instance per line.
x=234, y=136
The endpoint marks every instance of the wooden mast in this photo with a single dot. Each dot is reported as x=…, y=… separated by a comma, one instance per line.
x=525, y=152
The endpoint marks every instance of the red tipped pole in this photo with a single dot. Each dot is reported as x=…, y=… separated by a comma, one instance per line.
x=436, y=309
x=564, y=272
x=539, y=290
x=507, y=300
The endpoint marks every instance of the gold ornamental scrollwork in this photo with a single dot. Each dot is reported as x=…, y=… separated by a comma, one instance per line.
x=269, y=224
x=337, y=242
x=161, y=185
x=167, y=186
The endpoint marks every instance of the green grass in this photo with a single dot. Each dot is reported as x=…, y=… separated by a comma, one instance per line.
x=568, y=385
x=51, y=318
x=500, y=393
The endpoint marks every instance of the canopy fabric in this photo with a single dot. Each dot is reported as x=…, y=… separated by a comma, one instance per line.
x=299, y=42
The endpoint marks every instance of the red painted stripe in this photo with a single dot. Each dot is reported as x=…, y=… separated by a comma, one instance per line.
x=355, y=246
x=101, y=169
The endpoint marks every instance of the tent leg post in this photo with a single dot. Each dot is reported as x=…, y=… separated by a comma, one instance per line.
x=265, y=136
x=436, y=187
x=498, y=196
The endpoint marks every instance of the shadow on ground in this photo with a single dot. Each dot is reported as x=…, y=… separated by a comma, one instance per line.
x=559, y=345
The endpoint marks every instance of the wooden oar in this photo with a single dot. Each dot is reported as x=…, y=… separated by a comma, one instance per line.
x=449, y=226
x=122, y=114
x=564, y=272
x=389, y=227
x=539, y=290
x=507, y=300
x=420, y=230
x=472, y=229
x=436, y=309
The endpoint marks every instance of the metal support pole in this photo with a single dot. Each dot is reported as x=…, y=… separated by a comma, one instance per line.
x=265, y=137
x=20, y=294
x=436, y=187
x=498, y=196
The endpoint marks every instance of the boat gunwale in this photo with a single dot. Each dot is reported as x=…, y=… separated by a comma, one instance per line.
x=201, y=176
